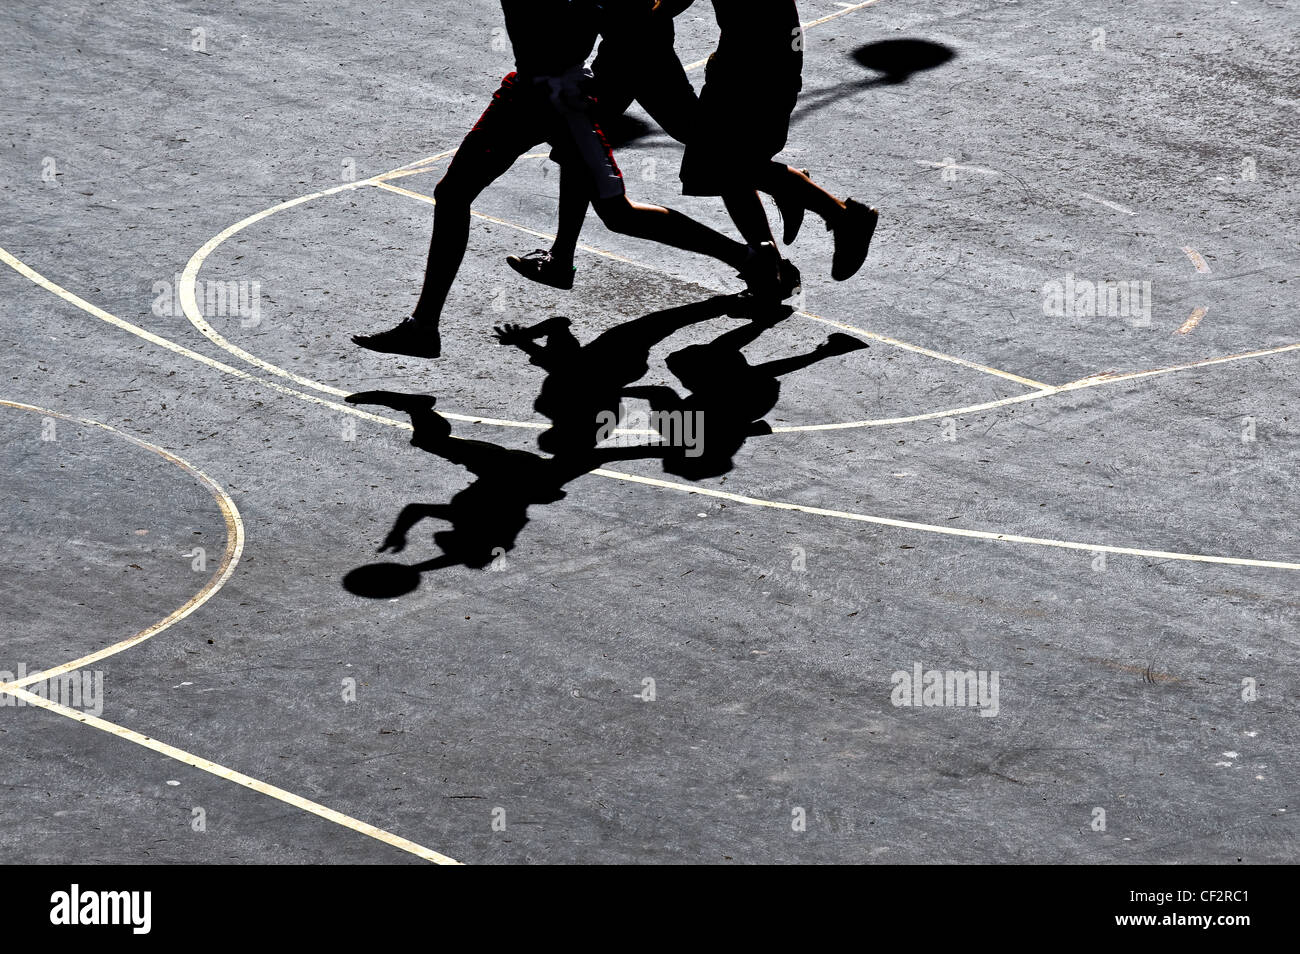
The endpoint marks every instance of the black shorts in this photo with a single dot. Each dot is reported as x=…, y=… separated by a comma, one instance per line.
x=523, y=114
x=743, y=121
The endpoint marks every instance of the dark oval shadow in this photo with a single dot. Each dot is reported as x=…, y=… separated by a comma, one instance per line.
x=382, y=581
x=898, y=59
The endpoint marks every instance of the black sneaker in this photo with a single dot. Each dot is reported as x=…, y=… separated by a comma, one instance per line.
x=417, y=339
x=540, y=266
x=853, y=233
x=770, y=277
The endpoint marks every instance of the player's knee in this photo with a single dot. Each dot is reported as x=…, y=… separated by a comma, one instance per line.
x=617, y=213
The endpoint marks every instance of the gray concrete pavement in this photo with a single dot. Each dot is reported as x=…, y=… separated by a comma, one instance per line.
x=1044, y=151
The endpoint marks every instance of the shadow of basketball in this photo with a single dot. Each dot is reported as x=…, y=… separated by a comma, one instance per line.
x=897, y=60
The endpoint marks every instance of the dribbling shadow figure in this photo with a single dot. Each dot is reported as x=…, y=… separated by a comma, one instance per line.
x=584, y=384
x=485, y=518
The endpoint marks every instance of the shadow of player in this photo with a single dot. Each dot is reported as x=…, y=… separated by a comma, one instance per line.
x=486, y=517
x=728, y=397
x=585, y=385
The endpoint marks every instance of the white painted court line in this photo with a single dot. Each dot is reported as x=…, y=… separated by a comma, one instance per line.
x=229, y=560
x=234, y=548
x=1107, y=203
x=1094, y=381
x=948, y=531
x=847, y=9
x=239, y=778
x=189, y=300
x=952, y=165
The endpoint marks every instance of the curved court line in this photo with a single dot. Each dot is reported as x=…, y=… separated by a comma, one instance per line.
x=187, y=293
x=234, y=548
x=30, y=273
x=1194, y=319
x=1197, y=260
x=874, y=336
x=1094, y=381
x=189, y=280
x=239, y=778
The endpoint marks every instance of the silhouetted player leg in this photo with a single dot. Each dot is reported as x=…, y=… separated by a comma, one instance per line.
x=554, y=266
x=509, y=127
x=581, y=144
x=620, y=58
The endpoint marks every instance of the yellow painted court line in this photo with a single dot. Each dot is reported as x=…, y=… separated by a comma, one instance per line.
x=1192, y=321
x=234, y=548
x=928, y=416
x=1198, y=262
x=1114, y=378
x=1091, y=381
x=27, y=272
x=239, y=778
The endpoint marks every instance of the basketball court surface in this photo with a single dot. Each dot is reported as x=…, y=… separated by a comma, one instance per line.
x=1065, y=465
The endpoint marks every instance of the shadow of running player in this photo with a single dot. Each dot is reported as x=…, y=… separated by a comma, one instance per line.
x=584, y=384
x=486, y=517
x=729, y=397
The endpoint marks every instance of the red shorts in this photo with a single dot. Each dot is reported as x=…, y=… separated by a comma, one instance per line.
x=523, y=114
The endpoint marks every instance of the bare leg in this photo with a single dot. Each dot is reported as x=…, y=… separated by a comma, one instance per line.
x=766, y=273
x=851, y=222
x=669, y=228
x=792, y=187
